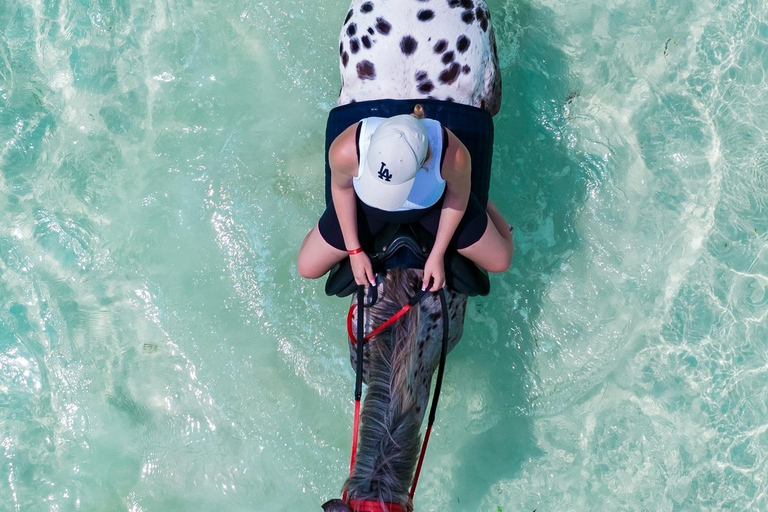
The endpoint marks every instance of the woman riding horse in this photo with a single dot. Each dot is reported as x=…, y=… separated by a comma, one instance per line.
x=410, y=141
x=402, y=170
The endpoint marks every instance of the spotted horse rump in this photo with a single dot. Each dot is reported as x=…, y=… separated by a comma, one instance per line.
x=412, y=49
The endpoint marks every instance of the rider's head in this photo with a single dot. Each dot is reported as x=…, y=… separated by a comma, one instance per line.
x=396, y=151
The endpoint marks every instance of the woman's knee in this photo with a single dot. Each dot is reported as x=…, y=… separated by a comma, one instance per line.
x=493, y=252
x=308, y=267
x=305, y=271
x=500, y=262
x=316, y=257
x=508, y=253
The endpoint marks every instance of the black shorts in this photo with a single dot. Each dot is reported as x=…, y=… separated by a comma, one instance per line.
x=371, y=220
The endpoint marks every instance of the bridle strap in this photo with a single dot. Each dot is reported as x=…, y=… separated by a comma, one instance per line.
x=374, y=506
x=360, y=331
x=358, y=378
x=438, y=385
x=394, y=318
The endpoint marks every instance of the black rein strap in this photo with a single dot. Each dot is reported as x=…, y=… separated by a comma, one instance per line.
x=360, y=333
x=443, y=354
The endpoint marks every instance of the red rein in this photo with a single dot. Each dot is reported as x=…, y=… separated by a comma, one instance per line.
x=394, y=318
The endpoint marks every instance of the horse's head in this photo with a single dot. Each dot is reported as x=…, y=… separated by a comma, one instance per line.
x=399, y=362
x=335, y=506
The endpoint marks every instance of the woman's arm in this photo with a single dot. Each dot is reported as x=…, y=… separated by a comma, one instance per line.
x=457, y=173
x=342, y=157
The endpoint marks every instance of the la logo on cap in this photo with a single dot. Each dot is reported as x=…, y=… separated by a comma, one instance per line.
x=384, y=173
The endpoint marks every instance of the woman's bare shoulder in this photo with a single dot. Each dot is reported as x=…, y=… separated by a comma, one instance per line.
x=342, y=154
x=457, y=159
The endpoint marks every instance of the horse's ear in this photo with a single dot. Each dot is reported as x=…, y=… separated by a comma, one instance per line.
x=335, y=506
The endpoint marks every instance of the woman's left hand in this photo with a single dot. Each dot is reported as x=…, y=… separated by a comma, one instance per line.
x=434, y=269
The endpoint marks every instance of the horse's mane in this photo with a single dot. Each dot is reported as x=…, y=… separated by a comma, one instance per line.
x=390, y=420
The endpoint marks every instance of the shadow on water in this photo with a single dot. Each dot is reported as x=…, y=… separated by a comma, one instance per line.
x=540, y=186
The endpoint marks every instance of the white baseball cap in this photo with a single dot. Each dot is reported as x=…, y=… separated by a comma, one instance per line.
x=396, y=152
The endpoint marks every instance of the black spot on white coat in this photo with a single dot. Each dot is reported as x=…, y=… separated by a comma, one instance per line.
x=383, y=26
x=426, y=87
x=450, y=75
x=366, y=70
x=408, y=45
x=425, y=15
x=462, y=44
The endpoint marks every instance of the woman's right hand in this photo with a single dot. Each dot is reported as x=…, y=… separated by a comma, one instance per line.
x=362, y=269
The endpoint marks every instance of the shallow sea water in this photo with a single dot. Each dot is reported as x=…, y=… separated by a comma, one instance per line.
x=161, y=160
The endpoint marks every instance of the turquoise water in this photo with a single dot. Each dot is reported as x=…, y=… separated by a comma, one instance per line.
x=160, y=162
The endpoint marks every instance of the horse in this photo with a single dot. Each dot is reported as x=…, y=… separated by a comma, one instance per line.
x=438, y=53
